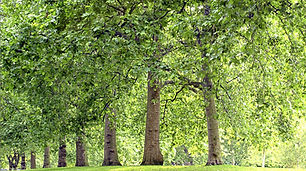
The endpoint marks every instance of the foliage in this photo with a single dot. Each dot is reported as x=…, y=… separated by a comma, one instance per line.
x=64, y=63
x=283, y=154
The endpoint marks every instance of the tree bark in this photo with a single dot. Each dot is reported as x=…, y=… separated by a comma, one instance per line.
x=214, y=152
x=33, y=160
x=81, y=157
x=23, y=162
x=47, y=157
x=152, y=154
x=10, y=160
x=110, y=147
x=13, y=161
x=62, y=154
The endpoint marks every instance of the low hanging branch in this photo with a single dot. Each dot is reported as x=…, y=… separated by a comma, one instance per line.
x=172, y=100
x=179, y=91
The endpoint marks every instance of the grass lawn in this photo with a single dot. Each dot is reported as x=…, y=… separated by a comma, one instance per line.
x=157, y=168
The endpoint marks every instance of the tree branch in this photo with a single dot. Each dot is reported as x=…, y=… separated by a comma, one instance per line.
x=183, y=7
x=233, y=78
x=133, y=8
x=178, y=93
x=163, y=15
x=116, y=8
x=226, y=92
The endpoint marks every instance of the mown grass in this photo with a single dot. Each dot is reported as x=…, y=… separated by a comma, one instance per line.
x=172, y=168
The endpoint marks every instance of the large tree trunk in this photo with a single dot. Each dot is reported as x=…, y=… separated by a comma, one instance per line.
x=81, y=158
x=33, y=160
x=214, y=152
x=62, y=154
x=110, y=147
x=23, y=162
x=47, y=157
x=152, y=154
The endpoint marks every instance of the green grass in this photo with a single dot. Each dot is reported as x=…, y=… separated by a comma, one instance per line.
x=172, y=168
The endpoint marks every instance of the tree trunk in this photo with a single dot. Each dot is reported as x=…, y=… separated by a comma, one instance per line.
x=214, y=152
x=81, y=158
x=23, y=162
x=110, y=147
x=47, y=157
x=10, y=160
x=62, y=154
x=190, y=162
x=13, y=161
x=152, y=154
x=263, y=158
x=33, y=160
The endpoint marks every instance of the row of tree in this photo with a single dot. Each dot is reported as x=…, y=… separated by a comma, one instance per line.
x=67, y=66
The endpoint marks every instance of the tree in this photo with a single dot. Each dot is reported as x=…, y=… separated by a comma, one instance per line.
x=81, y=157
x=152, y=154
x=61, y=62
x=33, y=160
x=47, y=157
x=110, y=146
x=16, y=118
x=215, y=27
x=214, y=155
x=23, y=161
x=62, y=153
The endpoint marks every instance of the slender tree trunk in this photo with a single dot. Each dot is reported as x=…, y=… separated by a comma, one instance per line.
x=47, y=157
x=214, y=152
x=33, y=160
x=13, y=161
x=110, y=147
x=62, y=154
x=190, y=162
x=16, y=158
x=23, y=162
x=81, y=157
x=263, y=158
x=10, y=160
x=152, y=154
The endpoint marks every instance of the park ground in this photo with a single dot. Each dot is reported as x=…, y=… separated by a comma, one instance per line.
x=172, y=168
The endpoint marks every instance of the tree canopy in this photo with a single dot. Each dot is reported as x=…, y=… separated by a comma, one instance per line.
x=165, y=73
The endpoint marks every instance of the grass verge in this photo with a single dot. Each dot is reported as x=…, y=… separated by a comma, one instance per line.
x=171, y=168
